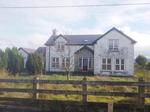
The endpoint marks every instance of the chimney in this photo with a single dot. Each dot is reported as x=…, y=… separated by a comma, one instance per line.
x=54, y=31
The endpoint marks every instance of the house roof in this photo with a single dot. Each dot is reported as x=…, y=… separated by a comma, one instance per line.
x=84, y=39
x=27, y=50
x=133, y=41
x=41, y=50
x=75, y=39
x=85, y=47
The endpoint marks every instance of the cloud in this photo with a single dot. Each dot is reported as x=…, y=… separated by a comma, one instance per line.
x=142, y=46
x=32, y=27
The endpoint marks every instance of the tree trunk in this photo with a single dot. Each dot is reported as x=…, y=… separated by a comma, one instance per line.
x=68, y=74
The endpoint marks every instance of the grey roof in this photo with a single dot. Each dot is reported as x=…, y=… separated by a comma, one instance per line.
x=41, y=50
x=75, y=39
x=27, y=50
x=85, y=47
x=84, y=39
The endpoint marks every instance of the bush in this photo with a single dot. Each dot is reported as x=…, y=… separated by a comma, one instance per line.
x=141, y=60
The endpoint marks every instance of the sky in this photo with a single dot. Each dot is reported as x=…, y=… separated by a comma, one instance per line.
x=31, y=27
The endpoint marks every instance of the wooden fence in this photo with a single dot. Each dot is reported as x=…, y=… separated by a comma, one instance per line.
x=140, y=84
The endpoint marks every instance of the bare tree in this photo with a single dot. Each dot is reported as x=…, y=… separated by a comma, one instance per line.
x=68, y=60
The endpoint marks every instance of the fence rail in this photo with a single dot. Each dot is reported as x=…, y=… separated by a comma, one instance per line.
x=112, y=83
x=35, y=90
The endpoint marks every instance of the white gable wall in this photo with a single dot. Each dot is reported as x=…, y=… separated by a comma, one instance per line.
x=126, y=51
x=51, y=51
x=24, y=55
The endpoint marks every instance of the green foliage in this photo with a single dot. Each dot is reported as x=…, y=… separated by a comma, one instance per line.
x=148, y=66
x=34, y=64
x=141, y=60
x=3, y=60
x=14, y=60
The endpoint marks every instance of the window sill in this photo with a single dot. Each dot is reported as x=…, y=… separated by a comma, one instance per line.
x=60, y=51
x=55, y=68
x=113, y=50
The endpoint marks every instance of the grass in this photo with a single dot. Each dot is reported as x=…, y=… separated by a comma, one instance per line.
x=139, y=73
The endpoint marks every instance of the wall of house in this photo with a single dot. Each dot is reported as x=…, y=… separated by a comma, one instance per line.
x=126, y=51
x=51, y=51
x=25, y=56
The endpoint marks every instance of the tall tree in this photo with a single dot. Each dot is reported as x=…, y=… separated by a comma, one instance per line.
x=141, y=60
x=34, y=64
x=3, y=60
x=14, y=61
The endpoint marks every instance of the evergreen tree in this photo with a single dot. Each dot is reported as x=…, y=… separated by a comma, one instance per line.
x=34, y=64
x=14, y=61
x=3, y=60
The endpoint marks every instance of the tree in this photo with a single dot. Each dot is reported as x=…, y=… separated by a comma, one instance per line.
x=3, y=60
x=14, y=61
x=67, y=59
x=148, y=66
x=141, y=60
x=34, y=64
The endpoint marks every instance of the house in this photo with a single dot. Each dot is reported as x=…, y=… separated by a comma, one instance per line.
x=25, y=52
x=41, y=51
x=106, y=54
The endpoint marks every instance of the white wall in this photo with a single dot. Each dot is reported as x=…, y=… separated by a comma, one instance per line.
x=24, y=55
x=52, y=50
x=126, y=51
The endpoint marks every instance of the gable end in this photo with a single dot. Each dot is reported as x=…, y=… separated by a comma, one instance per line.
x=133, y=41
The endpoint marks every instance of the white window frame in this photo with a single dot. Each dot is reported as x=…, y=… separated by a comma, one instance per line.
x=89, y=59
x=55, y=62
x=65, y=62
x=90, y=63
x=106, y=64
x=120, y=64
x=113, y=44
x=60, y=46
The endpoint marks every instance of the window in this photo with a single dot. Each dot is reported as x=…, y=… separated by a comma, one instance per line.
x=106, y=64
x=119, y=64
x=113, y=44
x=65, y=62
x=80, y=62
x=55, y=62
x=86, y=62
x=60, y=46
x=90, y=63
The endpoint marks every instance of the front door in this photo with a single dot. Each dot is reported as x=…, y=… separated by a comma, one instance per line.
x=85, y=64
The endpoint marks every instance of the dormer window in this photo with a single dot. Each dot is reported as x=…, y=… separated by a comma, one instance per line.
x=60, y=46
x=113, y=44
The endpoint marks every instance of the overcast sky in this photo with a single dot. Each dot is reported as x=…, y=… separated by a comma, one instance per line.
x=28, y=27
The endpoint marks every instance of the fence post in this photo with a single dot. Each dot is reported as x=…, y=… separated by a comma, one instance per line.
x=35, y=87
x=84, y=95
x=84, y=89
x=110, y=107
x=141, y=91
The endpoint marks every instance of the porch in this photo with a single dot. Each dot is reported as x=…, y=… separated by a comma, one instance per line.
x=84, y=60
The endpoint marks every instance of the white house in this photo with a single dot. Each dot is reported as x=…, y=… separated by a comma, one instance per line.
x=109, y=53
x=25, y=52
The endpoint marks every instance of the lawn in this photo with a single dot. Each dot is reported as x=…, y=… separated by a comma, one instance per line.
x=139, y=73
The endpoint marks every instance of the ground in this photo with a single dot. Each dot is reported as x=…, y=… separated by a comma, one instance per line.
x=138, y=73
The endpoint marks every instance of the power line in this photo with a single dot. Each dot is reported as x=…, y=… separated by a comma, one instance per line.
x=78, y=6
